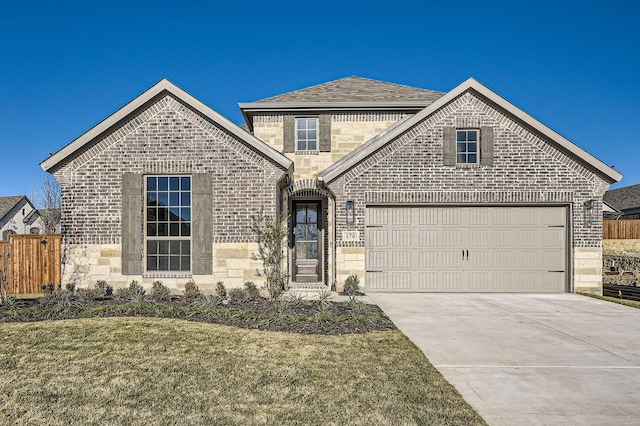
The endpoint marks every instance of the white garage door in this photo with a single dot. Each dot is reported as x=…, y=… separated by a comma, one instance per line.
x=466, y=249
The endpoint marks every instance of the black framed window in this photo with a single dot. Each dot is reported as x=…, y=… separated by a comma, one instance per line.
x=167, y=223
x=467, y=146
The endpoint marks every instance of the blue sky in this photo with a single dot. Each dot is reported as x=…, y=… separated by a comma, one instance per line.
x=65, y=66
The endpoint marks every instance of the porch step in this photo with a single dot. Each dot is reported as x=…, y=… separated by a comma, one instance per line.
x=307, y=286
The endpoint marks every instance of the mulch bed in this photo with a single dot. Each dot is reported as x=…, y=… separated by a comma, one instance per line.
x=292, y=316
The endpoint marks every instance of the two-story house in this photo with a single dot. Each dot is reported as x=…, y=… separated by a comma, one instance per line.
x=410, y=189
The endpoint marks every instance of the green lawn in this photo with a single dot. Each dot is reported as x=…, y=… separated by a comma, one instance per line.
x=143, y=371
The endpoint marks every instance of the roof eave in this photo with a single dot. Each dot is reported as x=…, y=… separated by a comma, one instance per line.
x=138, y=102
x=380, y=140
x=249, y=109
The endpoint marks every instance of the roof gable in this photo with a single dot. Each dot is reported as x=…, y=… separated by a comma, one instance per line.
x=164, y=85
x=355, y=89
x=376, y=143
x=8, y=203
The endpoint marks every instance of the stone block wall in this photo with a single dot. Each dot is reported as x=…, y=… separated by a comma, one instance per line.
x=348, y=132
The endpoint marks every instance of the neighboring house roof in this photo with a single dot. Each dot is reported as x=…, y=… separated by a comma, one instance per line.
x=163, y=86
x=346, y=94
x=8, y=203
x=623, y=199
x=376, y=143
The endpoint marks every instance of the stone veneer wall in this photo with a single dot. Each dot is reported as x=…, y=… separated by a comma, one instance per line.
x=165, y=137
x=526, y=170
x=348, y=131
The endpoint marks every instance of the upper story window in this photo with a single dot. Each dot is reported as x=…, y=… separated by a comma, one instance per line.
x=306, y=134
x=467, y=146
x=168, y=223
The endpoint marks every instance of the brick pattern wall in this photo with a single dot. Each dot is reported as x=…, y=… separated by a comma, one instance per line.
x=166, y=137
x=526, y=169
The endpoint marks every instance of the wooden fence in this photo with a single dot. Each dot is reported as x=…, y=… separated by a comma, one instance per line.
x=621, y=229
x=30, y=262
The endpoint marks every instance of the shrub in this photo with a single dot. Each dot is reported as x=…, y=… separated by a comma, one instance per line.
x=70, y=287
x=206, y=301
x=271, y=234
x=101, y=287
x=191, y=291
x=238, y=295
x=221, y=291
x=160, y=292
x=252, y=290
x=352, y=285
x=134, y=293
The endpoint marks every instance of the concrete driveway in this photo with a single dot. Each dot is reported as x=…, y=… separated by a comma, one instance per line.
x=529, y=359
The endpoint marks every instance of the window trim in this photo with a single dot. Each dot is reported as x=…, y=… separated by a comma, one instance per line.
x=146, y=238
x=317, y=139
x=466, y=142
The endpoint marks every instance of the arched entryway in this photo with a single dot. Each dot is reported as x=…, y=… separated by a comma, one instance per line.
x=308, y=206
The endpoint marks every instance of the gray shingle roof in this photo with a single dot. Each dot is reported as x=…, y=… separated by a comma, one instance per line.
x=356, y=89
x=7, y=203
x=625, y=198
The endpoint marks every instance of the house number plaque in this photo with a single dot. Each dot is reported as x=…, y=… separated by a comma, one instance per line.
x=350, y=236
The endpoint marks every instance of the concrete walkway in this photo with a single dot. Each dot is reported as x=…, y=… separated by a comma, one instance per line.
x=529, y=359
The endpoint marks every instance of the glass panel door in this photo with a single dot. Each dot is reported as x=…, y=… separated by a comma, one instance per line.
x=306, y=232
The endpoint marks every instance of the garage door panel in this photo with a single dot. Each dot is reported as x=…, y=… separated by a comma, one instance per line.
x=377, y=237
x=428, y=216
x=429, y=238
x=400, y=280
x=452, y=238
x=479, y=238
x=401, y=238
x=479, y=281
x=451, y=259
x=480, y=260
x=429, y=259
x=401, y=217
x=377, y=259
x=451, y=281
x=401, y=259
x=495, y=249
x=428, y=281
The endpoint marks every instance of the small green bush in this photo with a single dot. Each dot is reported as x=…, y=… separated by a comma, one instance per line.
x=352, y=285
x=160, y=292
x=70, y=287
x=238, y=295
x=205, y=301
x=134, y=293
x=100, y=287
x=221, y=291
x=252, y=290
x=191, y=291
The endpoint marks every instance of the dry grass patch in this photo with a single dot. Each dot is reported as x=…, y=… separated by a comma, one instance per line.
x=140, y=371
x=625, y=302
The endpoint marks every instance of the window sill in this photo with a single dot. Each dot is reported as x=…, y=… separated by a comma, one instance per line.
x=309, y=152
x=468, y=165
x=167, y=274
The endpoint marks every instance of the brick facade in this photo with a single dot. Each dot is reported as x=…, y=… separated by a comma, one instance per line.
x=166, y=137
x=527, y=170
x=170, y=136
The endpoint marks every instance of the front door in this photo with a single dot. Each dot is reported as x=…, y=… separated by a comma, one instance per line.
x=307, y=230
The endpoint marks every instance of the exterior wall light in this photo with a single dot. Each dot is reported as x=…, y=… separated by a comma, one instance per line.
x=351, y=213
x=590, y=210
